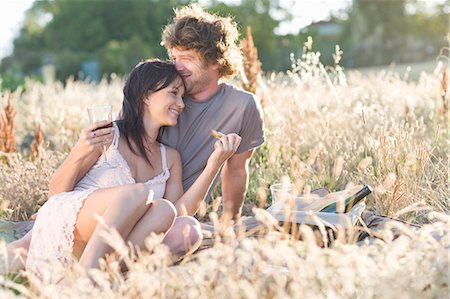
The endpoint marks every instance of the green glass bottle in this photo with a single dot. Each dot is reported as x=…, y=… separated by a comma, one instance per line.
x=349, y=201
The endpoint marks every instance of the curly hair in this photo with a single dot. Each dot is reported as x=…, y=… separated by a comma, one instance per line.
x=212, y=36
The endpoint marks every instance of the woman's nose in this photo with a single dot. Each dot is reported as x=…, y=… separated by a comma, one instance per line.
x=180, y=102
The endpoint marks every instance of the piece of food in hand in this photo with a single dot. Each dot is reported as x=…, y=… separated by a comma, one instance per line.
x=217, y=134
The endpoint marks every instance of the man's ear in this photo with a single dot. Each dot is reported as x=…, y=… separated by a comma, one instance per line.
x=215, y=66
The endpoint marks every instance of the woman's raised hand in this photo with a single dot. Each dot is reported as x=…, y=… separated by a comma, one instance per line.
x=224, y=148
x=93, y=137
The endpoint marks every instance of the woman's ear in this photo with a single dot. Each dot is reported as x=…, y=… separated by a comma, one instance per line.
x=147, y=99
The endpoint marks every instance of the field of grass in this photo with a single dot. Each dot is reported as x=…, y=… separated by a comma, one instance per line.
x=406, y=71
x=324, y=128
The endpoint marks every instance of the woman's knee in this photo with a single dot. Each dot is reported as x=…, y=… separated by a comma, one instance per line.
x=188, y=229
x=165, y=207
x=196, y=230
x=190, y=221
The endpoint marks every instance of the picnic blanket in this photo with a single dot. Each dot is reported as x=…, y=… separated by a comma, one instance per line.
x=13, y=230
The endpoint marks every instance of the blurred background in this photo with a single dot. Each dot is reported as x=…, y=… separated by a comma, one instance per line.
x=90, y=40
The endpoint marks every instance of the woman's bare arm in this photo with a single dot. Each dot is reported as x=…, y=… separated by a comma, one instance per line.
x=70, y=172
x=174, y=187
x=81, y=158
x=189, y=202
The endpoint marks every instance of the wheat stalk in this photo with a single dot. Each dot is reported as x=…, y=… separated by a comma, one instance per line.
x=36, y=144
x=7, y=132
x=251, y=65
x=445, y=93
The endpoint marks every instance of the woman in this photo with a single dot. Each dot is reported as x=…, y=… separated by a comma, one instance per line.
x=66, y=225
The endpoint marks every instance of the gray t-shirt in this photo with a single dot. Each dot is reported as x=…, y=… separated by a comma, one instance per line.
x=229, y=110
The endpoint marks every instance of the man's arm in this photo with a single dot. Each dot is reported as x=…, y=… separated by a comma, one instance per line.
x=234, y=183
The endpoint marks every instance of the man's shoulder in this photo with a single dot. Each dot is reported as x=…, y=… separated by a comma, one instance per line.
x=236, y=94
x=236, y=90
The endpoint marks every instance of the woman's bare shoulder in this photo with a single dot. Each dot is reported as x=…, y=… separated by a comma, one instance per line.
x=173, y=156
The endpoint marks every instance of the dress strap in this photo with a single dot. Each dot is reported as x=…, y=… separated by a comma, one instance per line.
x=163, y=157
x=115, y=142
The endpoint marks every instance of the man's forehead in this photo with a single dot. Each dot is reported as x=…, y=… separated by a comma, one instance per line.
x=184, y=52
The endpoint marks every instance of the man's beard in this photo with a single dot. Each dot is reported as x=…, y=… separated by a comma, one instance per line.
x=196, y=86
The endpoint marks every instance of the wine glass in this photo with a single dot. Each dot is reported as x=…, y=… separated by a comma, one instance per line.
x=101, y=113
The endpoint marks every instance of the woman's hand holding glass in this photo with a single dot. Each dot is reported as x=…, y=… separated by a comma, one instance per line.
x=93, y=138
x=224, y=148
x=101, y=113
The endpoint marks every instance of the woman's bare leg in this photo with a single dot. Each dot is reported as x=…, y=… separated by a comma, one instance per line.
x=22, y=243
x=17, y=252
x=158, y=219
x=120, y=208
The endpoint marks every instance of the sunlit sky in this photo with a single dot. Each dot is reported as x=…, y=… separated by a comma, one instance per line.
x=12, y=13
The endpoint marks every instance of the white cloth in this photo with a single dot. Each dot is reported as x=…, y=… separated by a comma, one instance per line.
x=53, y=232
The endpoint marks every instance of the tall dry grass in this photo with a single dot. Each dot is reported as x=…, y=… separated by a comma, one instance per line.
x=327, y=129
x=414, y=265
x=323, y=129
x=7, y=132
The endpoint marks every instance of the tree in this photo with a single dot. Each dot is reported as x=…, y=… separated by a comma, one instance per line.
x=385, y=31
x=118, y=34
x=273, y=50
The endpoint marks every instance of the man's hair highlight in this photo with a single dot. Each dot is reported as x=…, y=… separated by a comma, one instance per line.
x=213, y=37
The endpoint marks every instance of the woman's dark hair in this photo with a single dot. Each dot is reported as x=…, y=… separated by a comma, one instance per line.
x=147, y=77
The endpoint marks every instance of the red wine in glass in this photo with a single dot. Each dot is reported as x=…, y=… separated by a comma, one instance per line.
x=101, y=113
x=109, y=125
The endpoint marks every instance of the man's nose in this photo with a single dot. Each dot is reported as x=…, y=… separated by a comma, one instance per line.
x=179, y=65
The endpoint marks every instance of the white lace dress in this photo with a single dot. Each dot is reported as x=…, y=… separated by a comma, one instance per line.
x=53, y=232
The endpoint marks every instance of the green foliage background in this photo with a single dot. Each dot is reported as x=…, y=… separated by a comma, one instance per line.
x=119, y=33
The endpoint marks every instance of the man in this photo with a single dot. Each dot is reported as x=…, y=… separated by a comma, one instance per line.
x=204, y=49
